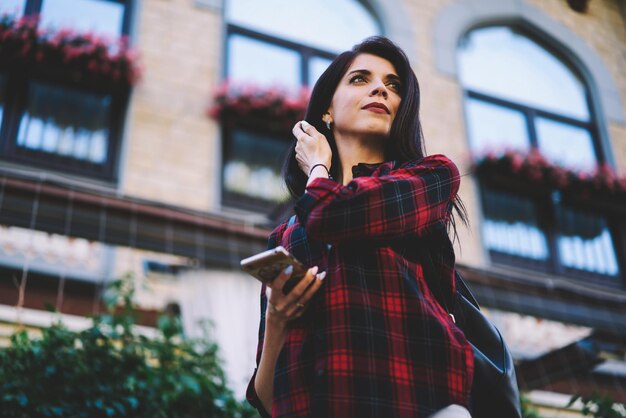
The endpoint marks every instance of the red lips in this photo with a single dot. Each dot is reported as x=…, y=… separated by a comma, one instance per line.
x=377, y=105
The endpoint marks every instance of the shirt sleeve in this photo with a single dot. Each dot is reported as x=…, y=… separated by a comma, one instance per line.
x=406, y=201
x=251, y=395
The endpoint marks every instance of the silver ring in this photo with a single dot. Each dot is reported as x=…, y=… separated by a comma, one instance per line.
x=300, y=305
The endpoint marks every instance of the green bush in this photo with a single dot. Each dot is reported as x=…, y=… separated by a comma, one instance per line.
x=110, y=370
x=600, y=406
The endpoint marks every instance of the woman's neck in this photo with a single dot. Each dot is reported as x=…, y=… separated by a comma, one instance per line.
x=354, y=151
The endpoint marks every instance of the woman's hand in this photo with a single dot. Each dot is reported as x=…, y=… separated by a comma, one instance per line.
x=312, y=147
x=283, y=308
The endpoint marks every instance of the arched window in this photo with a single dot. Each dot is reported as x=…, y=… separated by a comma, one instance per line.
x=285, y=44
x=519, y=95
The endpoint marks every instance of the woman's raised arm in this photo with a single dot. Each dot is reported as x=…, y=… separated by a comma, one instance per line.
x=406, y=201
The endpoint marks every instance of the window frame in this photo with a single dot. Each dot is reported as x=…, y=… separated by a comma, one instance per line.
x=546, y=201
x=17, y=85
x=545, y=204
x=33, y=7
x=306, y=53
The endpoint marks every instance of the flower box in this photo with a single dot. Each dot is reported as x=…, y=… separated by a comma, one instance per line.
x=81, y=58
x=533, y=173
x=268, y=110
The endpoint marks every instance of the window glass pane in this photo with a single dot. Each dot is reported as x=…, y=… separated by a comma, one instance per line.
x=332, y=25
x=511, y=226
x=566, y=145
x=66, y=122
x=499, y=62
x=98, y=16
x=3, y=87
x=253, y=168
x=585, y=243
x=495, y=128
x=12, y=7
x=280, y=66
x=317, y=66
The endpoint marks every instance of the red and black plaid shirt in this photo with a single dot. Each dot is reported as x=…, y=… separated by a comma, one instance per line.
x=373, y=342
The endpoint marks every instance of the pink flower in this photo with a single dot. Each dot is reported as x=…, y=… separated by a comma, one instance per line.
x=516, y=163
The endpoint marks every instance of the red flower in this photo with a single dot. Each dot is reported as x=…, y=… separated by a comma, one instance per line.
x=65, y=46
x=273, y=109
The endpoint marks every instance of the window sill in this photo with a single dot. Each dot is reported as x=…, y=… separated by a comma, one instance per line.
x=9, y=169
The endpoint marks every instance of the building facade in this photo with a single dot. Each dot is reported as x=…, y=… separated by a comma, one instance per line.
x=101, y=177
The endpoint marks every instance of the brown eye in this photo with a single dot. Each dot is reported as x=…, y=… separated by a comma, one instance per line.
x=357, y=79
x=395, y=86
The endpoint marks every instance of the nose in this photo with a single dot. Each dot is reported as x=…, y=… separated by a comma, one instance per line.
x=379, y=89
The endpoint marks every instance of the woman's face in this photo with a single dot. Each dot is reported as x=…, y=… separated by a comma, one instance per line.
x=367, y=98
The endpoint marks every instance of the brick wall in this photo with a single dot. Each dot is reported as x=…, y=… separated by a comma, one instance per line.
x=172, y=148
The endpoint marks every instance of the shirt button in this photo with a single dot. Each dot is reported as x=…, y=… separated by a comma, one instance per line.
x=344, y=191
x=321, y=372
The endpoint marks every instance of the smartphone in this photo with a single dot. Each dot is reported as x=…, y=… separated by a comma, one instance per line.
x=266, y=266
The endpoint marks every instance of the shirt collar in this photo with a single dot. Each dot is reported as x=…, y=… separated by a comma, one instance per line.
x=367, y=169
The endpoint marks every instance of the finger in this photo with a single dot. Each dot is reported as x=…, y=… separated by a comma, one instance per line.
x=282, y=277
x=298, y=132
x=303, y=302
x=303, y=284
x=312, y=289
x=308, y=128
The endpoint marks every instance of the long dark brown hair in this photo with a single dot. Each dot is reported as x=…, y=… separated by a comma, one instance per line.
x=406, y=129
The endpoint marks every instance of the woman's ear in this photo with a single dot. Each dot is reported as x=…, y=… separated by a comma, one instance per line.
x=327, y=119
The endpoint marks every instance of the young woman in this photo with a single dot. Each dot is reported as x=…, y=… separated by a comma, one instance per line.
x=365, y=333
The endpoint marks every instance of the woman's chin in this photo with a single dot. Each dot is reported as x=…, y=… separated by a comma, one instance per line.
x=376, y=130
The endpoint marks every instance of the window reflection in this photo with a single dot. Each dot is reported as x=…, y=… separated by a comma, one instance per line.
x=12, y=7
x=585, y=242
x=510, y=226
x=495, y=128
x=254, y=164
x=3, y=87
x=273, y=44
x=501, y=62
x=317, y=67
x=567, y=145
x=102, y=17
x=339, y=24
x=245, y=56
x=65, y=122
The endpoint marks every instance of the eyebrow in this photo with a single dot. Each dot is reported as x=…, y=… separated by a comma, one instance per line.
x=368, y=72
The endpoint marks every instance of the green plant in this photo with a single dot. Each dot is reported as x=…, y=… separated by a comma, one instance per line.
x=527, y=409
x=111, y=370
x=599, y=406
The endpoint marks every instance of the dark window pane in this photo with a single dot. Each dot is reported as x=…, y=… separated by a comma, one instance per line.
x=494, y=128
x=503, y=63
x=256, y=62
x=12, y=7
x=98, y=16
x=510, y=226
x=66, y=122
x=253, y=166
x=585, y=243
x=3, y=88
x=332, y=25
x=566, y=145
